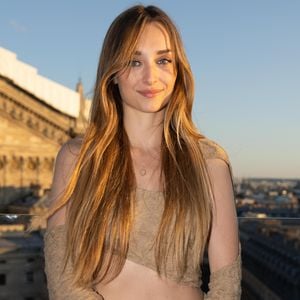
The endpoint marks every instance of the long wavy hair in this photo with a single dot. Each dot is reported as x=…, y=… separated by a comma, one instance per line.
x=101, y=190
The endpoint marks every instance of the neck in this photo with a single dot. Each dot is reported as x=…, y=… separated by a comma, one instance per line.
x=144, y=130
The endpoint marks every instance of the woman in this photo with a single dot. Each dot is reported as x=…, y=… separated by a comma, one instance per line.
x=135, y=201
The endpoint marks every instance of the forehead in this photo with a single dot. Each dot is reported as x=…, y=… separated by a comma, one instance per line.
x=153, y=37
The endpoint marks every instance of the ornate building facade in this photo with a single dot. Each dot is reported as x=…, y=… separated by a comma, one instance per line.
x=37, y=116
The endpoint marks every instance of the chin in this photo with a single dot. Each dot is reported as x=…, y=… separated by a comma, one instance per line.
x=154, y=109
x=150, y=107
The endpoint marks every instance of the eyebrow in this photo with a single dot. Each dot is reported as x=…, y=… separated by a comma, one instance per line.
x=159, y=52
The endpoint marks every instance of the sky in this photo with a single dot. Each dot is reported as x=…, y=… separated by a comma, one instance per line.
x=245, y=56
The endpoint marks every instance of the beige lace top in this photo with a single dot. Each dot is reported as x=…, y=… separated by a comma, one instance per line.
x=224, y=283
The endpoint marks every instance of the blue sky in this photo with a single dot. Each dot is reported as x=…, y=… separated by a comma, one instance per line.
x=245, y=56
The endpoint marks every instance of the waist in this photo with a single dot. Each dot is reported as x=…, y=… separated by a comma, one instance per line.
x=139, y=282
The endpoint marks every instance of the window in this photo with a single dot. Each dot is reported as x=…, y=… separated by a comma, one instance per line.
x=29, y=276
x=2, y=279
x=30, y=259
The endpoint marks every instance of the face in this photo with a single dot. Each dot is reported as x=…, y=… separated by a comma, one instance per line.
x=148, y=83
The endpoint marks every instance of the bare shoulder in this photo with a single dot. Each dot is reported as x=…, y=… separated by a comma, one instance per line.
x=64, y=165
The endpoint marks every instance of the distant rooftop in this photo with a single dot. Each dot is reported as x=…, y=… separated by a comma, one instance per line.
x=48, y=91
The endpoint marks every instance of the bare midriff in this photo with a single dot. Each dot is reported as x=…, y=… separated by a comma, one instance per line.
x=139, y=282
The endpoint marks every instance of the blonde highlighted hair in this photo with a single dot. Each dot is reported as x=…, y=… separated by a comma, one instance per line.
x=101, y=191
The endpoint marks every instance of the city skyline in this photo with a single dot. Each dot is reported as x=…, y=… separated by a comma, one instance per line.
x=249, y=51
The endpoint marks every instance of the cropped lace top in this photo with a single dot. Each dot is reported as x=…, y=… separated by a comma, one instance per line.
x=148, y=209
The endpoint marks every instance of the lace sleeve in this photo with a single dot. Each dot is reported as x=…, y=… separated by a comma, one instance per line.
x=225, y=283
x=60, y=284
x=211, y=149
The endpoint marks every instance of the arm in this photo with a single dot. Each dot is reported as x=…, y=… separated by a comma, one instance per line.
x=59, y=283
x=223, y=246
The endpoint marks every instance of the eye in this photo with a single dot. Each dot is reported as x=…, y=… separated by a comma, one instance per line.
x=134, y=63
x=164, y=61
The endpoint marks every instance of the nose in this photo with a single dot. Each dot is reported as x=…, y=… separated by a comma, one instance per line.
x=149, y=74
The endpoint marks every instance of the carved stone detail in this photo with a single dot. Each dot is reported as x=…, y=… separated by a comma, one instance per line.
x=31, y=119
x=3, y=161
x=32, y=163
x=31, y=133
x=47, y=164
x=17, y=163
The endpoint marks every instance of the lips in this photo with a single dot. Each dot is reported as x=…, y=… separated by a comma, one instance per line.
x=150, y=93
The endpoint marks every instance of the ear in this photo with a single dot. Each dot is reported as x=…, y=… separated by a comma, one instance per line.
x=115, y=80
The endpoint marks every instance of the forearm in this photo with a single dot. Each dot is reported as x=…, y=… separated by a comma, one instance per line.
x=60, y=284
x=225, y=283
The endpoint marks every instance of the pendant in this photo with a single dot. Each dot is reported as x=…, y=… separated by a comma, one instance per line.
x=143, y=172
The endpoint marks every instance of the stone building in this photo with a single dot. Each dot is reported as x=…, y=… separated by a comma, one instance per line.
x=37, y=115
x=21, y=261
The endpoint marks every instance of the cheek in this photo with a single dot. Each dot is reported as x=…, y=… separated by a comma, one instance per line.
x=170, y=80
x=169, y=76
x=126, y=82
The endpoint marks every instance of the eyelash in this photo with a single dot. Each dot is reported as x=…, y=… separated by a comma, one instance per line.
x=136, y=63
x=166, y=60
